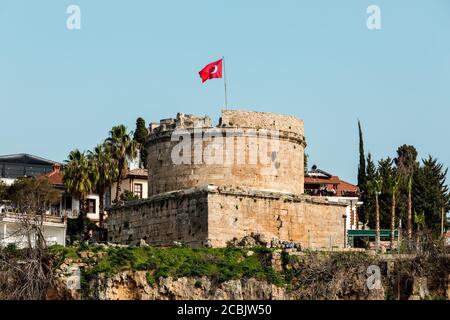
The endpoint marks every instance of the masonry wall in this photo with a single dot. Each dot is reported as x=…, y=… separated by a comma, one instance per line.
x=314, y=223
x=215, y=215
x=161, y=220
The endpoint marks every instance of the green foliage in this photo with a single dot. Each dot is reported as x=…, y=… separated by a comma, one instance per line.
x=151, y=279
x=368, y=197
x=220, y=264
x=140, y=136
x=362, y=173
x=3, y=191
x=305, y=163
x=122, y=147
x=426, y=181
x=198, y=284
x=127, y=195
x=78, y=175
x=33, y=195
x=387, y=173
x=406, y=160
x=141, y=132
x=11, y=249
x=430, y=193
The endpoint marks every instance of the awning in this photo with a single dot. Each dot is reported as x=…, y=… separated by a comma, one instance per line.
x=384, y=233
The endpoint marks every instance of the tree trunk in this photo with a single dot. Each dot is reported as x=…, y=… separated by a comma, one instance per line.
x=377, y=226
x=101, y=207
x=118, y=187
x=83, y=212
x=409, y=214
x=393, y=221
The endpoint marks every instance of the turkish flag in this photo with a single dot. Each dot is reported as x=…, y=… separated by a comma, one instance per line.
x=212, y=71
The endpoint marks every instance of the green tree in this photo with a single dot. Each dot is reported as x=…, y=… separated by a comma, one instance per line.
x=104, y=172
x=128, y=196
x=407, y=166
x=140, y=136
x=79, y=179
x=305, y=163
x=122, y=148
x=362, y=173
x=369, y=198
x=3, y=190
x=33, y=197
x=431, y=194
x=387, y=173
x=375, y=187
x=394, y=188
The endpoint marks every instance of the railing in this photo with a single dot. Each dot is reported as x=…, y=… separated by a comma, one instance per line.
x=327, y=193
x=18, y=216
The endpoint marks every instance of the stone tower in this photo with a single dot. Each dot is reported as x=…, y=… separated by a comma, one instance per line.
x=209, y=185
x=257, y=150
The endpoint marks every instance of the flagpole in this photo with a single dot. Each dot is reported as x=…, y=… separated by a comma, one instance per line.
x=225, y=83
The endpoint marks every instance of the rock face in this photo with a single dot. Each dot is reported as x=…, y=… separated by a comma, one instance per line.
x=134, y=286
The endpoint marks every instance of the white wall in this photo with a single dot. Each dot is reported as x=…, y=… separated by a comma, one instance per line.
x=53, y=233
x=93, y=216
x=8, y=181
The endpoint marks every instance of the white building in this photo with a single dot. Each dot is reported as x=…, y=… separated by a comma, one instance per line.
x=13, y=167
x=12, y=230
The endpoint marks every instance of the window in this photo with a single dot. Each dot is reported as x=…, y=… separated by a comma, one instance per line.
x=138, y=190
x=91, y=205
x=68, y=203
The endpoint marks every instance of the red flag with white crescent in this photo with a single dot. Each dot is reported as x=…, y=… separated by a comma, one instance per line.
x=212, y=71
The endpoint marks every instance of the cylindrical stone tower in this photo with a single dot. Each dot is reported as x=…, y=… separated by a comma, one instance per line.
x=259, y=150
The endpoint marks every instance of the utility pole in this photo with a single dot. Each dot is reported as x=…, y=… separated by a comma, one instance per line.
x=442, y=223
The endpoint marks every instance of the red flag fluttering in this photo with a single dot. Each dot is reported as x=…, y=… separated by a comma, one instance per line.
x=212, y=71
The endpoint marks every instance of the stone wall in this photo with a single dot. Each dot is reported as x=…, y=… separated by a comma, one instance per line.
x=216, y=215
x=263, y=120
x=162, y=219
x=235, y=213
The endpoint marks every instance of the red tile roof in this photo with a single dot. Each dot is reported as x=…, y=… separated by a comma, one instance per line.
x=55, y=177
x=329, y=183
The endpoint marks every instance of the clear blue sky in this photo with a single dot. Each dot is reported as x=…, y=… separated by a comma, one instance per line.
x=314, y=59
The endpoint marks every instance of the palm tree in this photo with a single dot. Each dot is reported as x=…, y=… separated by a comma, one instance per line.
x=105, y=172
x=395, y=186
x=122, y=147
x=79, y=181
x=375, y=186
x=410, y=222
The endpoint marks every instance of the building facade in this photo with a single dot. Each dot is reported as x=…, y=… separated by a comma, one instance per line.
x=320, y=183
x=54, y=224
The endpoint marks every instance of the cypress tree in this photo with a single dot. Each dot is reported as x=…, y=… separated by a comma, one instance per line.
x=369, y=199
x=362, y=175
x=140, y=136
x=362, y=178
